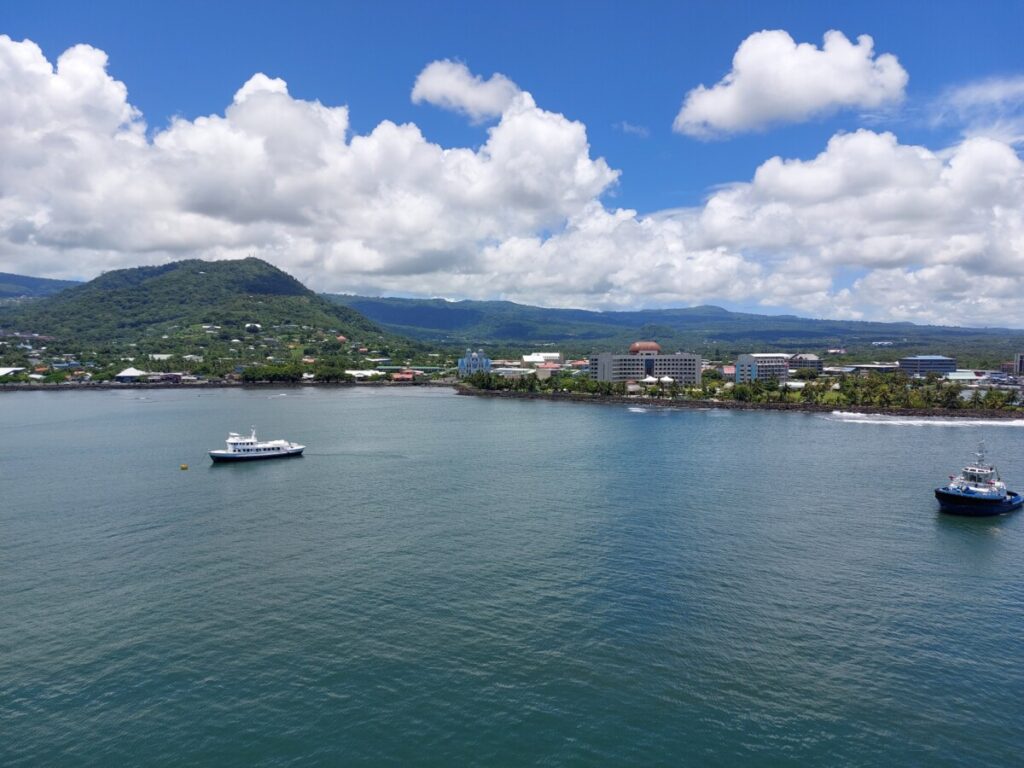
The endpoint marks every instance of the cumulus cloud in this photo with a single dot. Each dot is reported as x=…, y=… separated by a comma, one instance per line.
x=450, y=85
x=903, y=215
x=933, y=236
x=775, y=80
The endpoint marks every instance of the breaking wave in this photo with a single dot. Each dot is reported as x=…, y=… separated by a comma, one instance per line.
x=919, y=421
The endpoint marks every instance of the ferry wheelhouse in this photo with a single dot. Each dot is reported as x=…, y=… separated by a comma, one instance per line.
x=249, y=448
x=977, y=491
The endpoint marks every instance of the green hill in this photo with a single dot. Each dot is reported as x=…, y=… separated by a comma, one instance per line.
x=177, y=299
x=21, y=286
x=711, y=330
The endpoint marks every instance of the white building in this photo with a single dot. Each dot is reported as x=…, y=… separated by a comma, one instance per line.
x=511, y=372
x=762, y=366
x=536, y=358
x=645, y=360
x=130, y=375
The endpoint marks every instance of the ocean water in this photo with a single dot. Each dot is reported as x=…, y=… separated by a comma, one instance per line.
x=447, y=580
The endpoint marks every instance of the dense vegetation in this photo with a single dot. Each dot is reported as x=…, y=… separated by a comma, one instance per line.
x=210, y=318
x=713, y=332
x=894, y=390
x=21, y=286
x=177, y=299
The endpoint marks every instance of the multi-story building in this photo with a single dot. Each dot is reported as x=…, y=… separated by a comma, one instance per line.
x=1018, y=364
x=809, y=361
x=645, y=359
x=474, y=362
x=762, y=366
x=922, y=365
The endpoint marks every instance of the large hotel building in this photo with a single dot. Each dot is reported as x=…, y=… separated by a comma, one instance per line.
x=761, y=366
x=645, y=359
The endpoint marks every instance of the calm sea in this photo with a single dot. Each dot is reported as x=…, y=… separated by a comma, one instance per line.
x=448, y=580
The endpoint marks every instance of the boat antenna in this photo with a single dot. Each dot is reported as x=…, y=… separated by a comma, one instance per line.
x=981, y=453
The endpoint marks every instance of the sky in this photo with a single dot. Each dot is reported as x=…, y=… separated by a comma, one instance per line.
x=857, y=160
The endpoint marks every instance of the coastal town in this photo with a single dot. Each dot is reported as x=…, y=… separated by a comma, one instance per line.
x=644, y=370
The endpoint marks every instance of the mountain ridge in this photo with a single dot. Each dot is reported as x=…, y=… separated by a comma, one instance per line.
x=25, y=287
x=145, y=302
x=506, y=323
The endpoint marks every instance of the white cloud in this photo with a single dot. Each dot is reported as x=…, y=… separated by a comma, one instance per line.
x=775, y=80
x=992, y=107
x=450, y=85
x=632, y=129
x=931, y=236
x=905, y=216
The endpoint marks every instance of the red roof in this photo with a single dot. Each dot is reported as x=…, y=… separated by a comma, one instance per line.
x=644, y=346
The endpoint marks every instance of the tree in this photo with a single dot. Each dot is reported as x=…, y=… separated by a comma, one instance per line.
x=949, y=397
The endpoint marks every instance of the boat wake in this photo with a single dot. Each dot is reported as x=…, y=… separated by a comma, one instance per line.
x=919, y=421
x=636, y=410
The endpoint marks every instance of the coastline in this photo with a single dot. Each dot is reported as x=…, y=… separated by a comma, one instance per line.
x=568, y=397
x=114, y=385
x=734, y=405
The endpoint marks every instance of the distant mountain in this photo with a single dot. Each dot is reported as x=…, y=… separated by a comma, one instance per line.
x=131, y=304
x=503, y=323
x=21, y=286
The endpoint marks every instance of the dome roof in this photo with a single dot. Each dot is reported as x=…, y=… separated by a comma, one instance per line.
x=644, y=346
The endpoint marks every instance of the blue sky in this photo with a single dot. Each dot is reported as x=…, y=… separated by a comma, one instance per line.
x=603, y=65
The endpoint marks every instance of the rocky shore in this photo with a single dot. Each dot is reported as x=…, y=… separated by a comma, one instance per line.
x=735, y=405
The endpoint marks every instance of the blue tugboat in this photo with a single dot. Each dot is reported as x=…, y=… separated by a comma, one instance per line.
x=977, y=491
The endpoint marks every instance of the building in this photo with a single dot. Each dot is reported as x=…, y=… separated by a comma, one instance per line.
x=922, y=365
x=645, y=359
x=762, y=366
x=865, y=369
x=129, y=375
x=474, y=362
x=811, y=362
x=547, y=370
x=537, y=358
x=1018, y=364
x=513, y=372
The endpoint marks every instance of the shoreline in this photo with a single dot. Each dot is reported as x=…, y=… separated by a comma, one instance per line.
x=114, y=385
x=735, y=405
x=567, y=397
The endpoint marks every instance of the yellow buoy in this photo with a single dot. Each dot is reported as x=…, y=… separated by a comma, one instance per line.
x=184, y=466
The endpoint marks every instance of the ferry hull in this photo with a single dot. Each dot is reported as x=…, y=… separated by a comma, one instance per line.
x=959, y=504
x=223, y=457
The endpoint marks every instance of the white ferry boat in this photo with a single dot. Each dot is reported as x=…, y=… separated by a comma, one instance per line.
x=241, y=448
